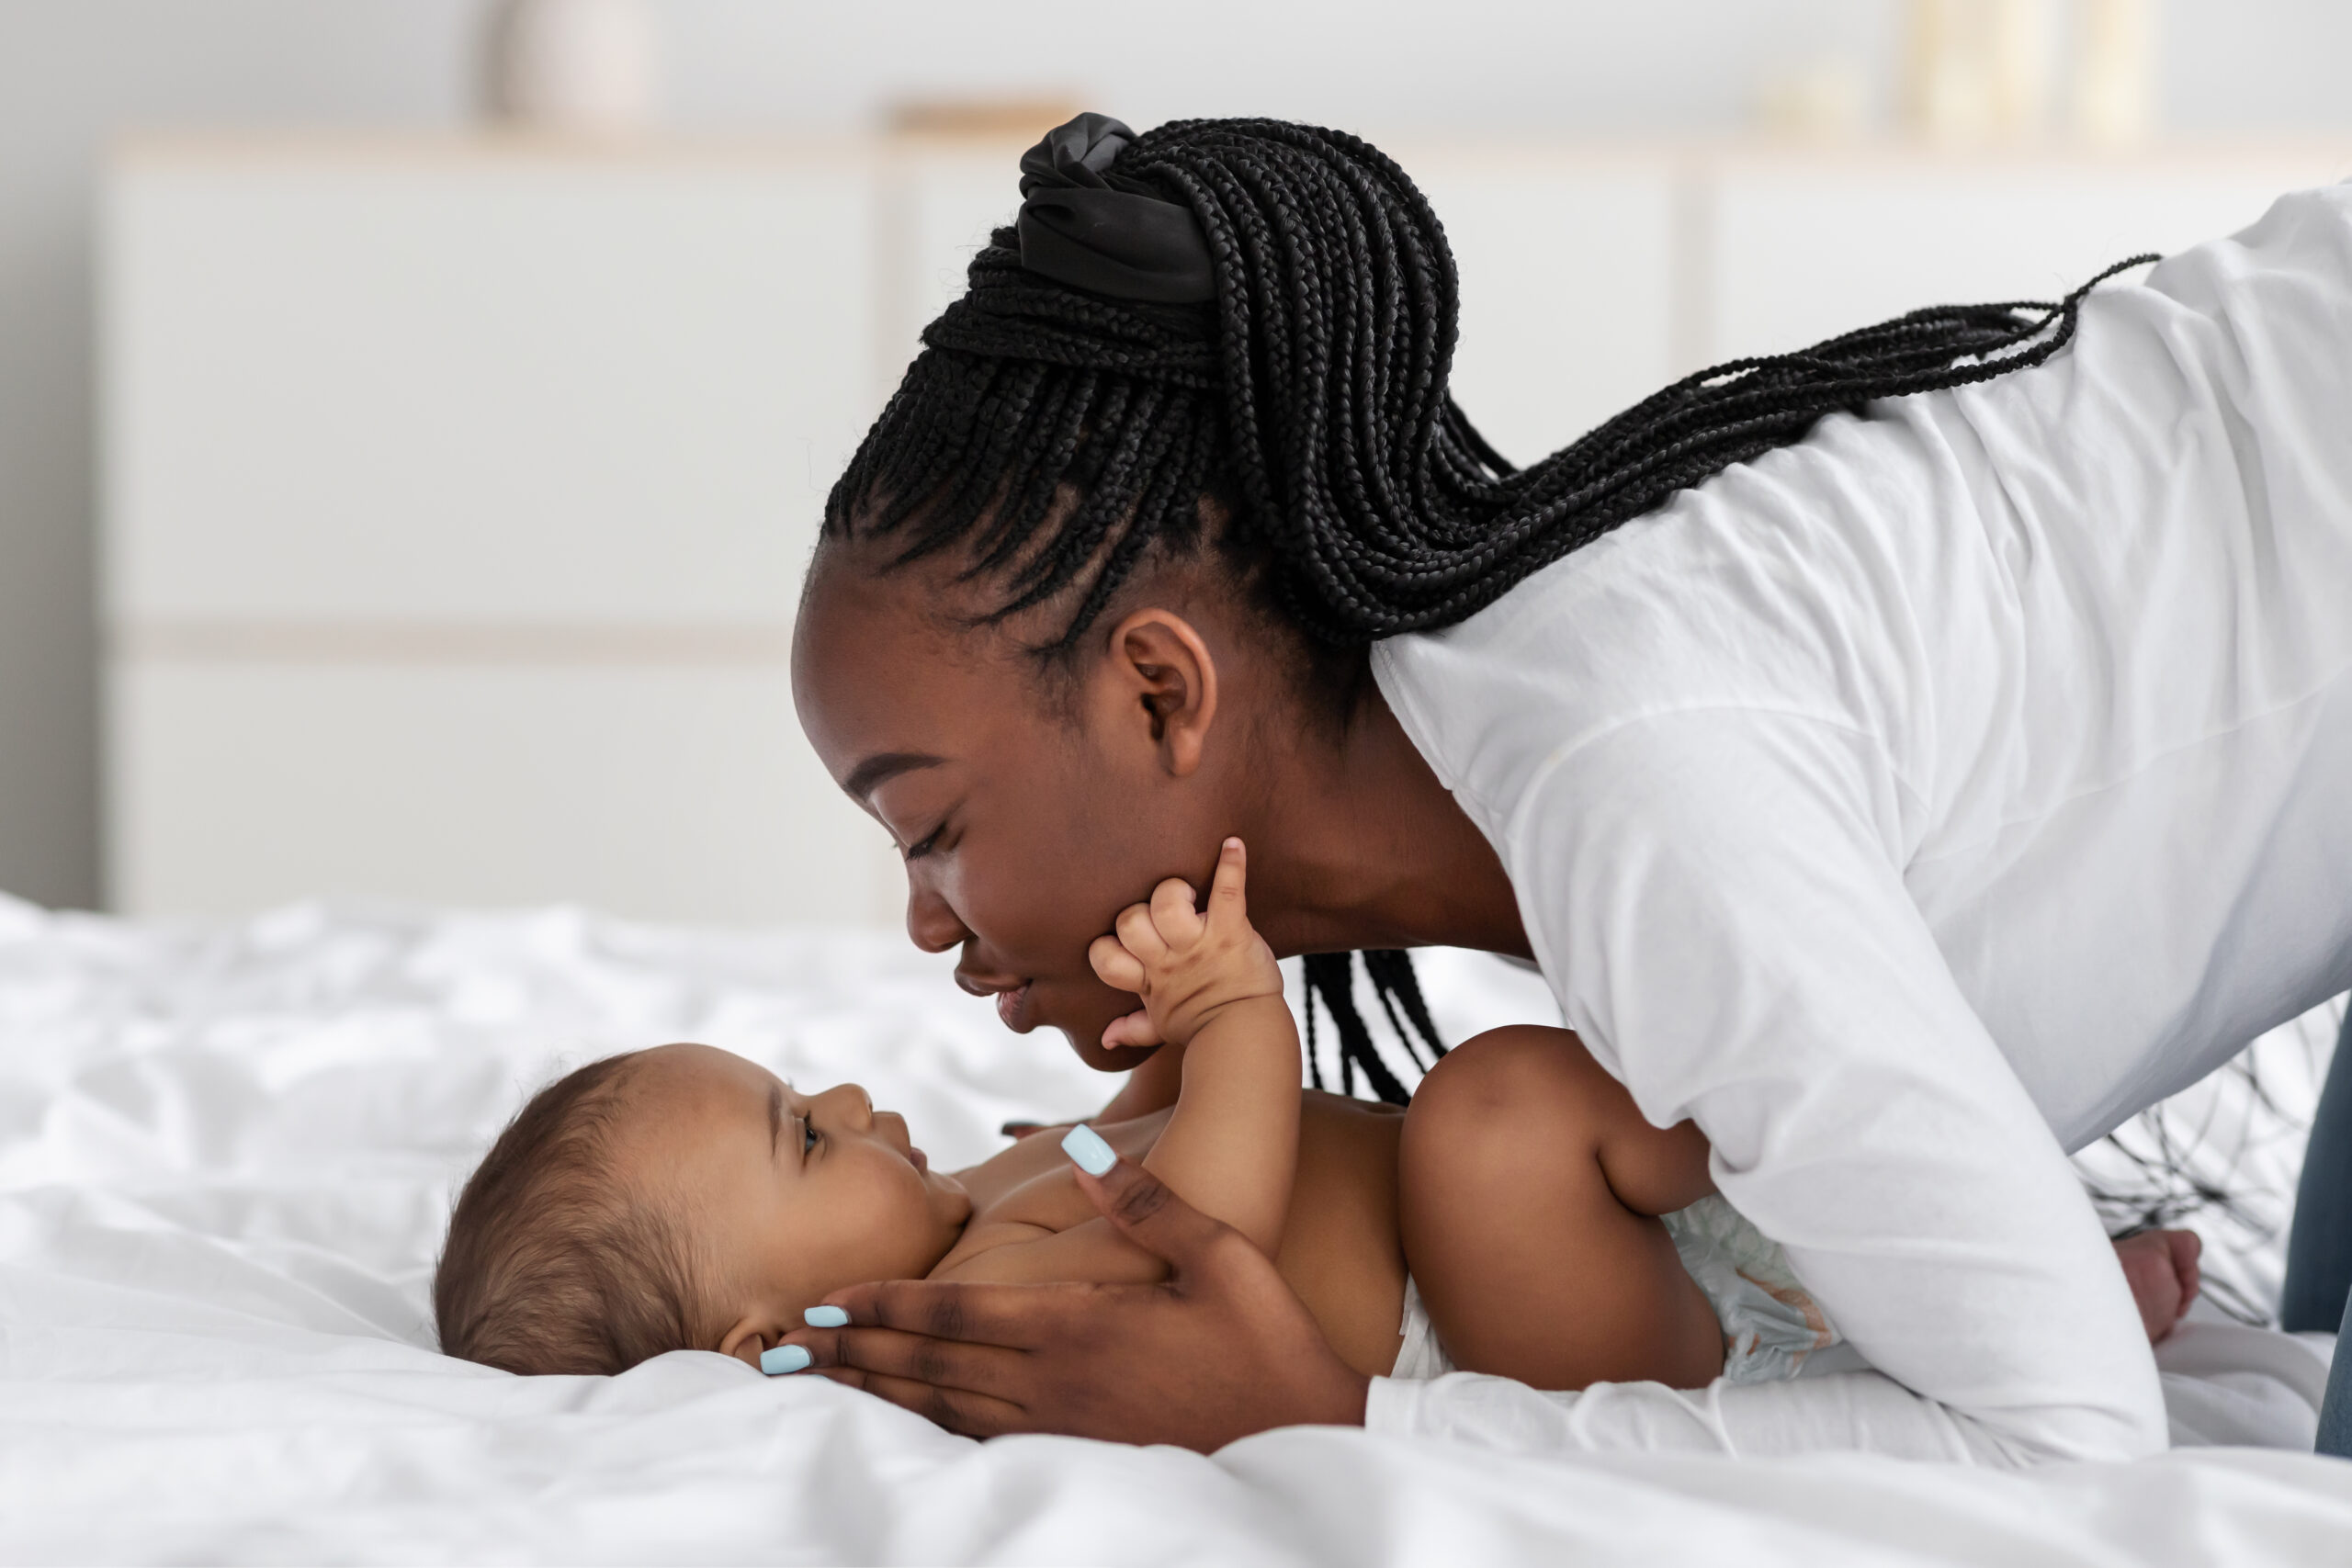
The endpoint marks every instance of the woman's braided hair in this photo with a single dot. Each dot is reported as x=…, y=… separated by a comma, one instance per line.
x=1057, y=437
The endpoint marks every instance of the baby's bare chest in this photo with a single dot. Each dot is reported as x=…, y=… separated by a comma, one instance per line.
x=1032, y=1183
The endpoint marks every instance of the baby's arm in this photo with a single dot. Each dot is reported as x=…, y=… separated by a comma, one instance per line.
x=1230, y=1150
x=1214, y=991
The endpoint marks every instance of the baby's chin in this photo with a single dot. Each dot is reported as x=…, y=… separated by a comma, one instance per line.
x=949, y=1200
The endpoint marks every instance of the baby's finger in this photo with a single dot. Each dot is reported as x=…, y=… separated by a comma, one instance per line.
x=1139, y=936
x=1225, y=899
x=1120, y=969
x=1135, y=1029
x=1175, y=910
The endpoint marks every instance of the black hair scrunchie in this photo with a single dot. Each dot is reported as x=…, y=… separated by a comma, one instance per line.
x=1105, y=233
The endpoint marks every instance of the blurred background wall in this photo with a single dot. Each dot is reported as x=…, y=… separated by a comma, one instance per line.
x=77, y=74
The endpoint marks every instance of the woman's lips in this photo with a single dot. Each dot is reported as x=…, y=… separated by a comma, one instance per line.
x=1013, y=1008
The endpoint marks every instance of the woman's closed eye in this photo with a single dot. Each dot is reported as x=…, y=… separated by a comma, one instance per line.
x=930, y=842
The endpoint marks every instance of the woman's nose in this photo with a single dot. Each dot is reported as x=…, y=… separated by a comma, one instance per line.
x=931, y=924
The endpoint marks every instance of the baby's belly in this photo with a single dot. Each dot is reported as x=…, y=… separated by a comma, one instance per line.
x=1339, y=1249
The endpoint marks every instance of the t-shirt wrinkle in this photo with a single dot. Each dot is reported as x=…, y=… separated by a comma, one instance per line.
x=1838, y=722
x=2153, y=761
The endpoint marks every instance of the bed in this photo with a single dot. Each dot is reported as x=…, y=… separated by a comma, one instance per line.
x=226, y=1152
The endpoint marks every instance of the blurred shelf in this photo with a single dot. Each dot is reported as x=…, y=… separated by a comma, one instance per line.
x=457, y=486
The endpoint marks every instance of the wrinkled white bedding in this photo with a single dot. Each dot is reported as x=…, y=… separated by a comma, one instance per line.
x=225, y=1158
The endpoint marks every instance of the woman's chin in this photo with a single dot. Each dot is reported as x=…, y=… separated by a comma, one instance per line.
x=1106, y=1059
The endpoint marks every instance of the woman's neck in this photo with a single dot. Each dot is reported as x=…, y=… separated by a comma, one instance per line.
x=1356, y=844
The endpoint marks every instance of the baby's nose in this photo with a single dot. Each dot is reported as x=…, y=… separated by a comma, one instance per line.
x=856, y=1104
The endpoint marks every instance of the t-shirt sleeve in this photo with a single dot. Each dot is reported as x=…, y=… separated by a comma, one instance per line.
x=1716, y=897
x=1849, y=1411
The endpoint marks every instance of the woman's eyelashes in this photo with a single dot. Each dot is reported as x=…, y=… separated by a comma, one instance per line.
x=930, y=842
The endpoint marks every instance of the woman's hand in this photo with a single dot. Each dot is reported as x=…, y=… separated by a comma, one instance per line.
x=1220, y=1350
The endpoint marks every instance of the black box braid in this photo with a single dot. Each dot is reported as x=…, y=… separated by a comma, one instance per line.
x=1054, y=437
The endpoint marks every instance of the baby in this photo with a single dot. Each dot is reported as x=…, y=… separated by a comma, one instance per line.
x=1519, y=1218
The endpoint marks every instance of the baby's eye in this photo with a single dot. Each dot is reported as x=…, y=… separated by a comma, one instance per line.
x=807, y=1135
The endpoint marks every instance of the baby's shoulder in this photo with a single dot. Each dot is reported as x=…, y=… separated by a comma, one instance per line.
x=1030, y=1183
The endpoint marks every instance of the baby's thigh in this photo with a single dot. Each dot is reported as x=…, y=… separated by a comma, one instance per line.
x=1528, y=1262
x=1506, y=1111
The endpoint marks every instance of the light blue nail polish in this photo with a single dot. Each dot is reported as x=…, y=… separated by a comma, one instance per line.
x=1087, y=1151
x=826, y=1317
x=783, y=1359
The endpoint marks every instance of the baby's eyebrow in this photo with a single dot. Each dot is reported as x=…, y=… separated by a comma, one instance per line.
x=776, y=1118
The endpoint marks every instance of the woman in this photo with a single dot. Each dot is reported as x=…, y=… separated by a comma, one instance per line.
x=1907, y=759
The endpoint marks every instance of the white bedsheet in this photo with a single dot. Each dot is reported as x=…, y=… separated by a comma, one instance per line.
x=226, y=1155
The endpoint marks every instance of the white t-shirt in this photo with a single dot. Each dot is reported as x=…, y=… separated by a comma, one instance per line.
x=1914, y=804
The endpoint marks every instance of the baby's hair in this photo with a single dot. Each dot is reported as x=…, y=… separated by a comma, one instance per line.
x=551, y=1266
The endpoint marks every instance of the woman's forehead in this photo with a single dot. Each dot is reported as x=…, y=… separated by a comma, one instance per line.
x=894, y=663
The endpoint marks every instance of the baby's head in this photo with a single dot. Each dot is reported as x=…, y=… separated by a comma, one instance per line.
x=680, y=1198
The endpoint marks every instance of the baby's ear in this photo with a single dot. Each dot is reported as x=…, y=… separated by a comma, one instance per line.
x=750, y=1335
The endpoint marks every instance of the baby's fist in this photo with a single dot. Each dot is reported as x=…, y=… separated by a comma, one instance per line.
x=1187, y=962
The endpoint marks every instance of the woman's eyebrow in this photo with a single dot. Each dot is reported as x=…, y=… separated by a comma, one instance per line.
x=870, y=775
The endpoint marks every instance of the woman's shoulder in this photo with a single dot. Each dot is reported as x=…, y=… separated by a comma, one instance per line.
x=1777, y=587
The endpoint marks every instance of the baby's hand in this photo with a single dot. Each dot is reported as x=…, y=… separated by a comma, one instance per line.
x=2161, y=1268
x=1186, y=964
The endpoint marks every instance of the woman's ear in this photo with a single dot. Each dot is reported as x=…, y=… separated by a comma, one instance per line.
x=1168, y=682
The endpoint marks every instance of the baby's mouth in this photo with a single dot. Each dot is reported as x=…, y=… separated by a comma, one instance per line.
x=920, y=1160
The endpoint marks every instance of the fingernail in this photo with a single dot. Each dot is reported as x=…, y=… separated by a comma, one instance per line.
x=1087, y=1151
x=783, y=1359
x=826, y=1317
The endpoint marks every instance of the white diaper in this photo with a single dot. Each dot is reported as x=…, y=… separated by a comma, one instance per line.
x=1770, y=1325
x=1420, y=1358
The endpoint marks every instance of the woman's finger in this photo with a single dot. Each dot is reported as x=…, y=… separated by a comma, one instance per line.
x=958, y=1410
x=1019, y=1317
x=1149, y=1213
x=889, y=1352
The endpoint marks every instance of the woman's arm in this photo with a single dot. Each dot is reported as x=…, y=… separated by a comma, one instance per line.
x=1721, y=891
